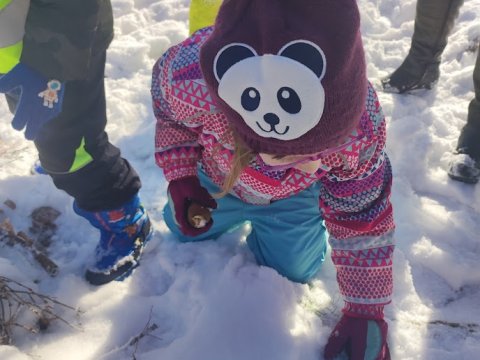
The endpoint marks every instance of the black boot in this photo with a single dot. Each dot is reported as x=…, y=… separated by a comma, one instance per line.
x=464, y=168
x=465, y=165
x=420, y=70
x=404, y=80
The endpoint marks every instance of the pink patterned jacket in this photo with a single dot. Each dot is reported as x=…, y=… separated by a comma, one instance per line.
x=356, y=180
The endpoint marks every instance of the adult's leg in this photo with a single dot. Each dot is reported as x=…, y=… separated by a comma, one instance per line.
x=465, y=165
x=434, y=21
x=469, y=139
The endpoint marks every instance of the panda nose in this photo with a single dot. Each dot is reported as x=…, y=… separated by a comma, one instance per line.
x=271, y=119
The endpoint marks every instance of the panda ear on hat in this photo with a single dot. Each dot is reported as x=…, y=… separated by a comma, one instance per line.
x=229, y=56
x=306, y=53
x=302, y=51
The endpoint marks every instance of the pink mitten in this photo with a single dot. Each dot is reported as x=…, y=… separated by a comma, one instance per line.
x=362, y=339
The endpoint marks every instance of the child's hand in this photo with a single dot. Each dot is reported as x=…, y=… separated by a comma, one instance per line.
x=198, y=216
x=40, y=100
x=182, y=193
x=362, y=339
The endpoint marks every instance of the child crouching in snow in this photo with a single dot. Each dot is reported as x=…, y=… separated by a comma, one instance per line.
x=271, y=108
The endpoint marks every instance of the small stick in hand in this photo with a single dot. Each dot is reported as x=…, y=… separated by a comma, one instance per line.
x=198, y=216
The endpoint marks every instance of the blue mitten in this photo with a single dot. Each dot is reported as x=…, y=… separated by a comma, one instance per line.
x=40, y=100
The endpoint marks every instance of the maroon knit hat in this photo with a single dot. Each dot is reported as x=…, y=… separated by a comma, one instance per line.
x=289, y=74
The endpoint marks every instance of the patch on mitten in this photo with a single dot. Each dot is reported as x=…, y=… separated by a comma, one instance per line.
x=50, y=94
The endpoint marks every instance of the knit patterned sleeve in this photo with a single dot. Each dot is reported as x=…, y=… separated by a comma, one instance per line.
x=176, y=81
x=358, y=214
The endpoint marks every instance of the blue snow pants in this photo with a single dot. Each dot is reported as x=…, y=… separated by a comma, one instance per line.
x=288, y=235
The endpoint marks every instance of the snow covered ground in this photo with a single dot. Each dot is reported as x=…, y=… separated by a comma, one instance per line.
x=209, y=300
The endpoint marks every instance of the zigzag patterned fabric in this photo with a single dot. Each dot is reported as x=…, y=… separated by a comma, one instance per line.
x=191, y=132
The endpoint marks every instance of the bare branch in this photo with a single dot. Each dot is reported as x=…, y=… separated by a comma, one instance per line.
x=145, y=332
x=15, y=298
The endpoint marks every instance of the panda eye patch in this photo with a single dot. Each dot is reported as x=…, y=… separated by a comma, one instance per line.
x=289, y=100
x=250, y=99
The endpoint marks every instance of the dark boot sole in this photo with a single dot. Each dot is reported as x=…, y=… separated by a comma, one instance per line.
x=98, y=278
x=466, y=180
x=412, y=91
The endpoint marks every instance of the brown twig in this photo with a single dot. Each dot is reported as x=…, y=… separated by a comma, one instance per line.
x=145, y=332
x=470, y=327
x=134, y=341
x=15, y=298
x=8, y=234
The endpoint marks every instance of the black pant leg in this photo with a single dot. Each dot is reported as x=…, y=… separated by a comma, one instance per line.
x=474, y=108
x=434, y=21
x=469, y=139
x=106, y=180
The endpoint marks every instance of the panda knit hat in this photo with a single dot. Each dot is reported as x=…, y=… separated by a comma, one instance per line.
x=289, y=74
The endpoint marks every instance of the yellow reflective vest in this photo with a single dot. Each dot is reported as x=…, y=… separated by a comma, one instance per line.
x=13, y=14
x=203, y=13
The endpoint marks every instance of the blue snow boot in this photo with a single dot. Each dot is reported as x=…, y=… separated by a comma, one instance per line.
x=123, y=234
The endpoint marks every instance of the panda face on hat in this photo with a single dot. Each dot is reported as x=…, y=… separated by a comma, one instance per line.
x=278, y=96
